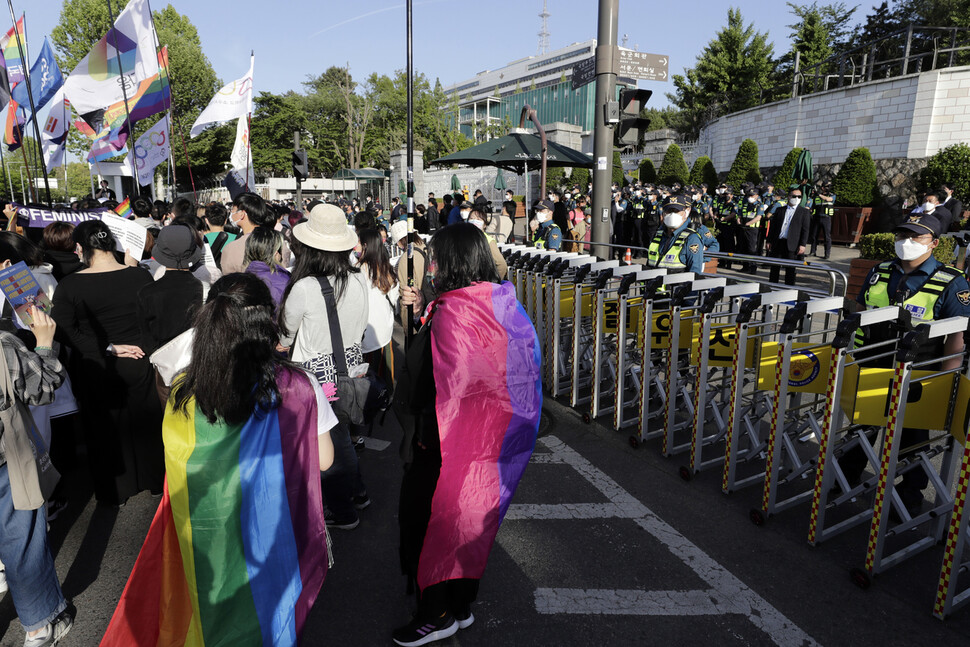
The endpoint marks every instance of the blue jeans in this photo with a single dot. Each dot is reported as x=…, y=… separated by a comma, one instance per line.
x=27, y=560
x=342, y=481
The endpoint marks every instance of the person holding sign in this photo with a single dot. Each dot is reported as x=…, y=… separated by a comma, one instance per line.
x=929, y=290
x=676, y=245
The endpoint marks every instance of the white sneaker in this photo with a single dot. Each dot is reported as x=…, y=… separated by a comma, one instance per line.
x=3, y=582
x=52, y=633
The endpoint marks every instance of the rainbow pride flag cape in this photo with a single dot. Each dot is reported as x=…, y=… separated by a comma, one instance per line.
x=237, y=551
x=124, y=209
x=486, y=359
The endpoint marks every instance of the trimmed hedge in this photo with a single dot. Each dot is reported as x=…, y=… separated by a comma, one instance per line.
x=617, y=169
x=704, y=172
x=745, y=167
x=952, y=164
x=783, y=178
x=882, y=247
x=855, y=184
x=580, y=176
x=647, y=173
x=673, y=168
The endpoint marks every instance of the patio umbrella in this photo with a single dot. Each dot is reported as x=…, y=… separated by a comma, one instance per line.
x=499, y=181
x=455, y=183
x=513, y=151
x=803, y=173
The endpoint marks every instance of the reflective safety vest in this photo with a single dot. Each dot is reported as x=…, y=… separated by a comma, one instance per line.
x=638, y=207
x=726, y=210
x=919, y=305
x=825, y=209
x=750, y=212
x=671, y=258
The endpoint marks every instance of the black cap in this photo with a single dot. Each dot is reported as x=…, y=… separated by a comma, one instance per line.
x=545, y=204
x=177, y=247
x=752, y=191
x=921, y=223
x=677, y=202
x=728, y=189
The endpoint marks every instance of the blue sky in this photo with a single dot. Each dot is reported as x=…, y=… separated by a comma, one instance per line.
x=453, y=39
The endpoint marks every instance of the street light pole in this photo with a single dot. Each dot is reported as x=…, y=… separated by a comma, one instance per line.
x=603, y=132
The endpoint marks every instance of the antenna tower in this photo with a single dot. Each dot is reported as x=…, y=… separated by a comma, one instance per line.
x=544, y=32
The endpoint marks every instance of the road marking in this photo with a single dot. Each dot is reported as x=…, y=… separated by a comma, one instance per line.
x=727, y=594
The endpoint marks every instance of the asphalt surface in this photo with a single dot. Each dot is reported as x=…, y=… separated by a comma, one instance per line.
x=604, y=544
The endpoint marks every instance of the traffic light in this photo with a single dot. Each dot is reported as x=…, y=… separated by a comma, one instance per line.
x=300, y=169
x=631, y=127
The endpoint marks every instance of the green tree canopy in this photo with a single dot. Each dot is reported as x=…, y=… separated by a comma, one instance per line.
x=783, y=178
x=745, y=167
x=673, y=168
x=647, y=173
x=580, y=177
x=952, y=164
x=855, y=184
x=618, y=168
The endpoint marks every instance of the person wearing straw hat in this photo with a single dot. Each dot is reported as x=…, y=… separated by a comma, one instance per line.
x=322, y=248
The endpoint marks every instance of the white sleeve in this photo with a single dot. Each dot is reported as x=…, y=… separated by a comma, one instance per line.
x=326, y=419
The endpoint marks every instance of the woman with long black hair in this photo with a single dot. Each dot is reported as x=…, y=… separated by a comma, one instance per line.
x=322, y=248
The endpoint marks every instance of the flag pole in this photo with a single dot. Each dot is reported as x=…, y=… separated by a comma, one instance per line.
x=249, y=127
x=30, y=97
x=23, y=152
x=124, y=93
x=3, y=162
x=409, y=329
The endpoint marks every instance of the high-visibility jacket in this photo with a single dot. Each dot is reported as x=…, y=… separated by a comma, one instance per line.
x=670, y=258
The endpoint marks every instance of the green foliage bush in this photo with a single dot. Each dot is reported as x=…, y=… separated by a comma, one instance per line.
x=673, y=168
x=617, y=168
x=952, y=164
x=745, y=167
x=783, y=178
x=703, y=172
x=580, y=177
x=855, y=184
x=648, y=174
x=555, y=177
x=882, y=247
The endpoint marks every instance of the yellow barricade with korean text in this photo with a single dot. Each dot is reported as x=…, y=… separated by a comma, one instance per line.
x=720, y=352
x=808, y=372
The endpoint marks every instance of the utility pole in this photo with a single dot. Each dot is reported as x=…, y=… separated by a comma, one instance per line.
x=299, y=181
x=603, y=131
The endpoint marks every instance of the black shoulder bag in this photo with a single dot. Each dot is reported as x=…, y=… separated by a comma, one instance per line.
x=359, y=399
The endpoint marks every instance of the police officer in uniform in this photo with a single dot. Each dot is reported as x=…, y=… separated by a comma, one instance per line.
x=929, y=290
x=677, y=246
x=651, y=216
x=750, y=216
x=697, y=223
x=727, y=219
x=637, y=206
x=545, y=233
x=822, y=220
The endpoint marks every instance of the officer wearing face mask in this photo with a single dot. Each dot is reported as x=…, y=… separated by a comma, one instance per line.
x=677, y=246
x=750, y=216
x=822, y=222
x=545, y=233
x=929, y=290
x=932, y=204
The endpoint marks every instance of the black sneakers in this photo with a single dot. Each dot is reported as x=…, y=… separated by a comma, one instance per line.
x=422, y=631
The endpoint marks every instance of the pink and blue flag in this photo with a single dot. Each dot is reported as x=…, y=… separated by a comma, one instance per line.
x=486, y=359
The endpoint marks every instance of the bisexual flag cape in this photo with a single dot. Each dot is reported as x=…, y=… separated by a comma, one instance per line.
x=237, y=551
x=486, y=360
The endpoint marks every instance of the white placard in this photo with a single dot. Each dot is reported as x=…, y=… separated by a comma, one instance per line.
x=129, y=235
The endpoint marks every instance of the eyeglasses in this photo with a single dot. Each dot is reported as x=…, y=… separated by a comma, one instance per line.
x=919, y=238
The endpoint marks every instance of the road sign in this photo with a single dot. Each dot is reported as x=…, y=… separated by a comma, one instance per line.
x=642, y=66
x=584, y=72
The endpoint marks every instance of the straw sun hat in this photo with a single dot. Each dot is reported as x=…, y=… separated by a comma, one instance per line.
x=326, y=229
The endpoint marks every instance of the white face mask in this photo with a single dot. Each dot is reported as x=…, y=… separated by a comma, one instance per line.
x=478, y=223
x=697, y=197
x=543, y=216
x=752, y=200
x=464, y=215
x=793, y=201
x=929, y=207
x=674, y=219
x=909, y=250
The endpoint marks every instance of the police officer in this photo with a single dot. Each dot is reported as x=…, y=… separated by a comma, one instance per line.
x=652, y=215
x=727, y=219
x=618, y=213
x=677, y=245
x=546, y=234
x=929, y=290
x=697, y=224
x=637, y=206
x=822, y=220
x=750, y=216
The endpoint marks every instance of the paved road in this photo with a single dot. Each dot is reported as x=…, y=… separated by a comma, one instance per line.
x=603, y=545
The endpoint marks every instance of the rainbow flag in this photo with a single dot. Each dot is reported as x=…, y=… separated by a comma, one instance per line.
x=152, y=96
x=237, y=552
x=14, y=127
x=11, y=52
x=489, y=399
x=124, y=209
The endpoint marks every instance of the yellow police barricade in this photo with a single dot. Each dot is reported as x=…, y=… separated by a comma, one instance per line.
x=759, y=319
x=655, y=322
x=559, y=320
x=938, y=389
x=711, y=356
x=840, y=428
x=516, y=256
x=678, y=373
x=581, y=347
x=631, y=298
x=799, y=369
x=540, y=278
x=949, y=596
x=604, y=329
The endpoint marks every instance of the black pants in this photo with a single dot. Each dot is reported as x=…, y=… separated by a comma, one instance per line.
x=726, y=241
x=748, y=244
x=823, y=225
x=779, y=249
x=648, y=230
x=853, y=462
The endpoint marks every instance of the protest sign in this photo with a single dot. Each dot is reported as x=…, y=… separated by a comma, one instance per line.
x=128, y=235
x=42, y=216
x=21, y=291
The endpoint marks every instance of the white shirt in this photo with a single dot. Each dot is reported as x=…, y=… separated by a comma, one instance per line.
x=789, y=214
x=380, y=320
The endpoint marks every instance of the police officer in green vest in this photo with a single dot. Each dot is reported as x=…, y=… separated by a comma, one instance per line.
x=545, y=233
x=822, y=218
x=727, y=223
x=929, y=290
x=749, y=224
x=637, y=204
x=676, y=245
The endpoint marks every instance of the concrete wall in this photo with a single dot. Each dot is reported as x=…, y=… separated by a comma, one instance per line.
x=911, y=116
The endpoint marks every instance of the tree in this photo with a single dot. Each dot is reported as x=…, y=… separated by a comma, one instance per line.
x=673, y=168
x=618, y=169
x=703, y=172
x=855, y=184
x=952, y=164
x=732, y=73
x=783, y=178
x=647, y=173
x=275, y=117
x=660, y=118
x=580, y=177
x=745, y=167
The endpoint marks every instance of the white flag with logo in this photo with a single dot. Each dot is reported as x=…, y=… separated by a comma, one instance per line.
x=95, y=82
x=240, y=158
x=54, y=135
x=150, y=150
x=231, y=102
